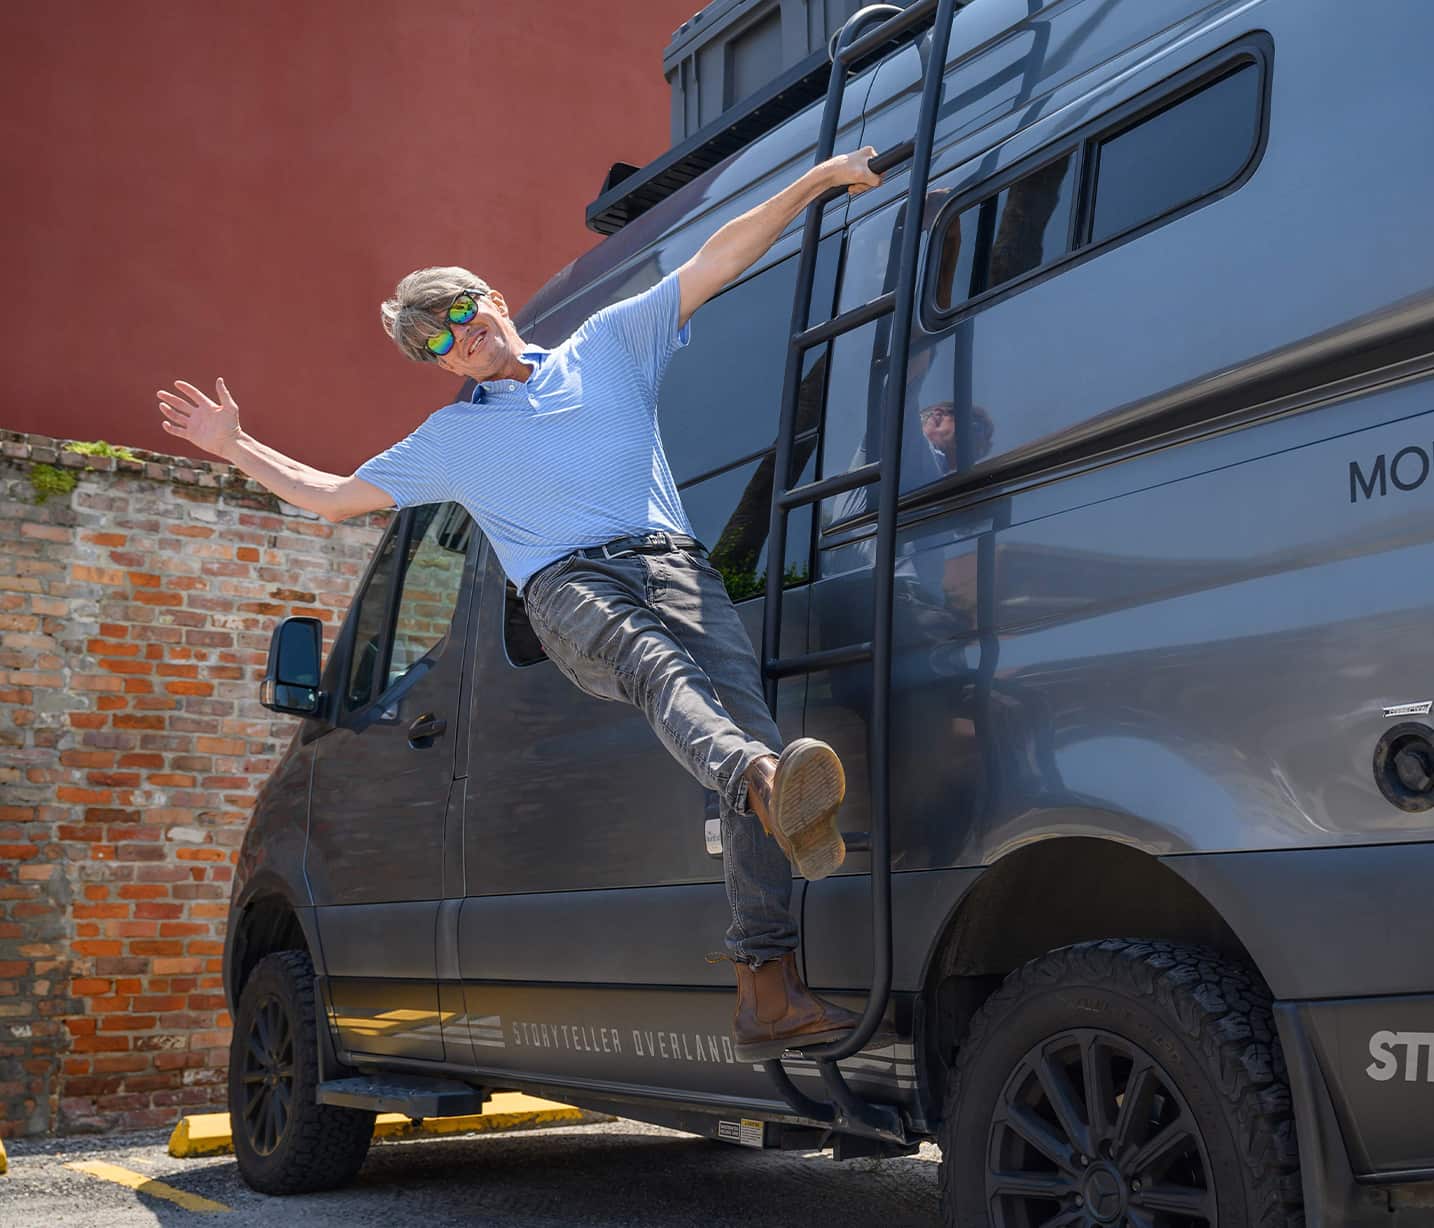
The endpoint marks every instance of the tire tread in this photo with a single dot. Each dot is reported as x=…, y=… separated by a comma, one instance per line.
x=1222, y=1009
x=328, y=1143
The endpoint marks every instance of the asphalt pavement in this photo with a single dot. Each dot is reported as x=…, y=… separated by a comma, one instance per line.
x=619, y=1173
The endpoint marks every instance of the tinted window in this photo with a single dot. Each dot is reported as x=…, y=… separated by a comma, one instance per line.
x=731, y=511
x=1176, y=156
x=1020, y=228
x=520, y=641
x=731, y=515
x=851, y=432
x=432, y=570
x=437, y=547
x=1025, y=225
x=1140, y=172
x=372, y=623
x=957, y=258
x=722, y=394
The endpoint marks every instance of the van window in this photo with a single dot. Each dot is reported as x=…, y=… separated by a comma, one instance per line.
x=1190, y=149
x=1020, y=228
x=721, y=396
x=957, y=260
x=520, y=641
x=371, y=623
x=731, y=515
x=431, y=585
x=1135, y=173
x=1024, y=226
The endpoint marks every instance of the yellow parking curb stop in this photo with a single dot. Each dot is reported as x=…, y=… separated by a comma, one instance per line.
x=4, y=1163
x=201, y=1134
x=207, y=1134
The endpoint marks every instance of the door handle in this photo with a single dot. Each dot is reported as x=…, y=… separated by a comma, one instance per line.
x=425, y=728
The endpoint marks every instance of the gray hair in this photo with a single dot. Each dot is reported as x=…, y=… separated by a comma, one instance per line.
x=414, y=313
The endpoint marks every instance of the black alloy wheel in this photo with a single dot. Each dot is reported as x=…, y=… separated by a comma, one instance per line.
x=267, y=1079
x=1121, y=1084
x=285, y=1141
x=1091, y=1131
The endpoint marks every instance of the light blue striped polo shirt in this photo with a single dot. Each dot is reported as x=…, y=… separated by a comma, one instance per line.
x=571, y=457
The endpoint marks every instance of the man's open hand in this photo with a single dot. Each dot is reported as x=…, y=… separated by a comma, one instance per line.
x=853, y=170
x=211, y=425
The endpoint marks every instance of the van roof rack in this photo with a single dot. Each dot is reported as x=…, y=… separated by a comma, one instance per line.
x=628, y=193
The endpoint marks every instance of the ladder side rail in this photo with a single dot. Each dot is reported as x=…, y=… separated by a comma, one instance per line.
x=792, y=377
x=893, y=427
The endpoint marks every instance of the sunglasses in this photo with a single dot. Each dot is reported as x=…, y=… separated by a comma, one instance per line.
x=460, y=311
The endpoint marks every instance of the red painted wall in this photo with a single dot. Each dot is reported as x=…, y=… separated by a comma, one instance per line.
x=230, y=188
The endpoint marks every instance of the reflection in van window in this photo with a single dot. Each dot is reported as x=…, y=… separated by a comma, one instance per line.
x=957, y=258
x=1186, y=151
x=371, y=617
x=1025, y=225
x=731, y=515
x=721, y=396
x=731, y=511
x=431, y=584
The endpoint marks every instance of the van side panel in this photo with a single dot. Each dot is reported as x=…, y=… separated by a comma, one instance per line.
x=1201, y=664
x=1189, y=649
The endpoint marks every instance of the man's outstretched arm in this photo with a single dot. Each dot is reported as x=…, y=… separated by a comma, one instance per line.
x=729, y=252
x=214, y=426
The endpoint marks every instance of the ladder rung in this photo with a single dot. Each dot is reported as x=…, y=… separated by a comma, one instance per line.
x=882, y=305
x=813, y=492
x=894, y=156
x=917, y=15
x=811, y=662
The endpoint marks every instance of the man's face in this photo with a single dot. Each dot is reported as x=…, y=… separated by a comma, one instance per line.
x=487, y=345
x=938, y=424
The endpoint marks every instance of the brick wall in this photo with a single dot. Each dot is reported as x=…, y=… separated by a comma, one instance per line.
x=135, y=614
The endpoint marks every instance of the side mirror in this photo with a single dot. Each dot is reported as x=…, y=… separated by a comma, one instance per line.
x=291, y=681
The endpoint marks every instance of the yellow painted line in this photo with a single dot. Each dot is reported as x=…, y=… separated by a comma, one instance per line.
x=204, y=1134
x=146, y=1185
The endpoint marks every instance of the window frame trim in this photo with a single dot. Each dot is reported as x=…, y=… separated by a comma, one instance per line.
x=1255, y=48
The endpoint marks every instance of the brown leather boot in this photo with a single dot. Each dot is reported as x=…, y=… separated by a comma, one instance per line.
x=796, y=797
x=776, y=1012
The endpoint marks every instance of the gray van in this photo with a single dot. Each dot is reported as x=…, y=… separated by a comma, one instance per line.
x=1071, y=484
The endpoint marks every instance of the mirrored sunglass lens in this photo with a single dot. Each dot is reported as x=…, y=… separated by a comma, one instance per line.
x=440, y=343
x=463, y=309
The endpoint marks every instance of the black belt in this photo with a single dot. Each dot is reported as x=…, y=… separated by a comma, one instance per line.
x=646, y=543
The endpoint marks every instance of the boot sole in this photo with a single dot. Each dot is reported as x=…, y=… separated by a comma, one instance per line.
x=806, y=793
x=764, y=1051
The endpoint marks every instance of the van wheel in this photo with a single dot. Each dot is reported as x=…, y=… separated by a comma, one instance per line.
x=1121, y=1084
x=285, y=1141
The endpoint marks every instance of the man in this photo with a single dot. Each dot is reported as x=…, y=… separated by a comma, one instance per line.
x=557, y=458
x=938, y=425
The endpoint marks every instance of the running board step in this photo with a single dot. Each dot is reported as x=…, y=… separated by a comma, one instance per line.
x=411, y=1095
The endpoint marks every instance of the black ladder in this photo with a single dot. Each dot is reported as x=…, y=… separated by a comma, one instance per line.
x=893, y=27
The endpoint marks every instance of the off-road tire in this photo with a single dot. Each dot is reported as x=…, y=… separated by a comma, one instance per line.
x=320, y=1146
x=1207, y=1026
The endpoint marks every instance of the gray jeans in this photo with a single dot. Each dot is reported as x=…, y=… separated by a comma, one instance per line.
x=658, y=631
